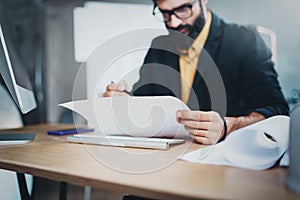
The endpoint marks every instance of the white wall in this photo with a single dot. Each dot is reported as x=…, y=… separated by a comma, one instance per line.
x=113, y=38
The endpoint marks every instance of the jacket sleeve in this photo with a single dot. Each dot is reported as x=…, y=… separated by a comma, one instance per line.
x=259, y=80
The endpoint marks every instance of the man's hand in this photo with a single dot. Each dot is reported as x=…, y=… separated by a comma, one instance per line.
x=116, y=89
x=208, y=127
x=204, y=127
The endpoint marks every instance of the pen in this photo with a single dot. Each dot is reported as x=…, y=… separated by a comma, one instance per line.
x=126, y=91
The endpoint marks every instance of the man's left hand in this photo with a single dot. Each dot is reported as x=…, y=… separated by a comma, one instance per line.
x=204, y=127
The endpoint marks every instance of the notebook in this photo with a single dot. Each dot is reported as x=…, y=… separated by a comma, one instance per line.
x=125, y=141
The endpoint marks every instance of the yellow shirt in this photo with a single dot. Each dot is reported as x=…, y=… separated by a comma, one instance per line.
x=188, y=63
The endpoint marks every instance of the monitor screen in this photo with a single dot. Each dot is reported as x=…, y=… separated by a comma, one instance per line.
x=14, y=74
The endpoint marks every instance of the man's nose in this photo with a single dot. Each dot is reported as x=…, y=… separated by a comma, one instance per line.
x=174, y=21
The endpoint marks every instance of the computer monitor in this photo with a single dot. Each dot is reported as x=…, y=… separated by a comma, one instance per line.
x=14, y=74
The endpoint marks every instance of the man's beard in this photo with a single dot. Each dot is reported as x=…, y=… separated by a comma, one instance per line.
x=182, y=41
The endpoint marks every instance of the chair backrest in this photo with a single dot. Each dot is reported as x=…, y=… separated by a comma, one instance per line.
x=10, y=116
x=270, y=39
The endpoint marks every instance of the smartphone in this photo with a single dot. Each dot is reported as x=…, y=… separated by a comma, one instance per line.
x=69, y=131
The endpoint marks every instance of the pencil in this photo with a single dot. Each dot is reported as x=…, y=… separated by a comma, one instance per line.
x=126, y=91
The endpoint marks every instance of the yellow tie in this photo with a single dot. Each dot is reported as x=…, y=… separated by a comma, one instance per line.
x=188, y=63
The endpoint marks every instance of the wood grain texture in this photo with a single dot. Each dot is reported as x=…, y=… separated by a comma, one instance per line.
x=54, y=158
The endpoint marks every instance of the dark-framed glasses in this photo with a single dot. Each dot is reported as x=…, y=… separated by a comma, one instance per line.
x=182, y=12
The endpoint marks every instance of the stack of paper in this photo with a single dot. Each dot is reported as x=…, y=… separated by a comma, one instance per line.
x=131, y=121
x=133, y=116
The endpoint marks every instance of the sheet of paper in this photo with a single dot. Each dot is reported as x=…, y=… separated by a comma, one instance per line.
x=285, y=160
x=249, y=147
x=153, y=116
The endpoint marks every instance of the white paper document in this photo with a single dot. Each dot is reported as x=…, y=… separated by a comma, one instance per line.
x=258, y=146
x=153, y=116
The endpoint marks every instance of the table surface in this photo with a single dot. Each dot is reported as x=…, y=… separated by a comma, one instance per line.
x=150, y=173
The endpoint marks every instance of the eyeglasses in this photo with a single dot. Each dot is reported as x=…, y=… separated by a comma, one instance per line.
x=182, y=12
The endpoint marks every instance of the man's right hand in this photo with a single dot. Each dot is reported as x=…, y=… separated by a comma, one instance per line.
x=116, y=89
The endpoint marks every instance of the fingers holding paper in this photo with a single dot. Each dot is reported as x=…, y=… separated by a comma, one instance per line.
x=116, y=89
x=204, y=127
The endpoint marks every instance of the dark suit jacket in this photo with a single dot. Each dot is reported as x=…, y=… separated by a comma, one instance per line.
x=235, y=75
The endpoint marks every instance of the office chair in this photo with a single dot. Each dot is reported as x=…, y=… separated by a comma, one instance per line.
x=10, y=117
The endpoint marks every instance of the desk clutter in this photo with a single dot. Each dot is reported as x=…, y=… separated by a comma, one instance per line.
x=258, y=146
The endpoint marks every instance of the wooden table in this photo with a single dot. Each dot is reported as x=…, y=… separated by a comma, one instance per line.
x=54, y=158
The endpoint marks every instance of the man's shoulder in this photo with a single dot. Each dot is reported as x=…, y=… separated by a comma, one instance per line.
x=231, y=32
x=235, y=29
x=238, y=34
x=242, y=40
